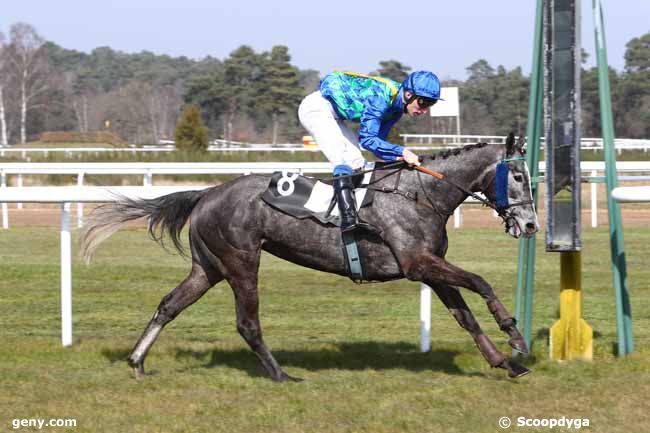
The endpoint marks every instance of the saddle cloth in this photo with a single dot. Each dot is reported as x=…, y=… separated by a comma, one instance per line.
x=307, y=197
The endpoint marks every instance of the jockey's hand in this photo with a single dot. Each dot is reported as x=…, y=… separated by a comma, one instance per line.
x=410, y=157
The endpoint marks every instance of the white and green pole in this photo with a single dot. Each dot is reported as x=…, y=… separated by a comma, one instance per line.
x=526, y=266
x=619, y=269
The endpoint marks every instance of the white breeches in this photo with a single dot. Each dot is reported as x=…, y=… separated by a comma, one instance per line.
x=339, y=144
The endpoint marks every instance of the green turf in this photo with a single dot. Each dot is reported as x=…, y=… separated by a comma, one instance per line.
x=355, y=346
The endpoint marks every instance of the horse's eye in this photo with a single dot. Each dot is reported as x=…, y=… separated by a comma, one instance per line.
x=518, y=178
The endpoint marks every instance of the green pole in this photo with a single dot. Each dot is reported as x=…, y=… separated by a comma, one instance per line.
x=526, y=260
x=619, y=271
x=533, y=163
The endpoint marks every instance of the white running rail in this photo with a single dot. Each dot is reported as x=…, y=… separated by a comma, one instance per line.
x=631, y=194
x=65, y=195
x=148, y=170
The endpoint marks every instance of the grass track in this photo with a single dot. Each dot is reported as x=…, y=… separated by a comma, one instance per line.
x=356, y=346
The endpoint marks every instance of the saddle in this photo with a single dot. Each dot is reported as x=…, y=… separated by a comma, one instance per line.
x=307, y=197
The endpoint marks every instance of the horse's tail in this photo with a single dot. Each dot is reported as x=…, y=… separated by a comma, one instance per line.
x=167, y=215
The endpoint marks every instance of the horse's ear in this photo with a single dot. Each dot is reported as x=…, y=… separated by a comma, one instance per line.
x=521, y=141
x=510, y=144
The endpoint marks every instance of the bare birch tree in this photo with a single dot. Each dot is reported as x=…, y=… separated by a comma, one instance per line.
x=3, y=80
x=163, y=107
x=76, y=99
x=28, y=62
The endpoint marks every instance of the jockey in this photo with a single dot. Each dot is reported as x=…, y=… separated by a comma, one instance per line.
x=377, y=104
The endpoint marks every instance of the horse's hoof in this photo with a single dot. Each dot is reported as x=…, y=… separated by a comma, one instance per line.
x=138, y=368
x=138, y=372
x=519, y=344
x=515, y=369
x=284, y=377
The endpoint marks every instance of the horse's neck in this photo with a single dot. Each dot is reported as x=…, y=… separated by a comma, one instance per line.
x=473, y=168
x=468, y=171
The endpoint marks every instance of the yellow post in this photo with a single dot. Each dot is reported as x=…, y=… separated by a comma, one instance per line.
x=571, y=337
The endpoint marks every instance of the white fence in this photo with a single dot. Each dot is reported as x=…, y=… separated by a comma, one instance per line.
x=24, y=152
x=631, y=194
x=148, y=170
x=70, y=151
x=450, y=141
x=64, y=196
x=414, y=141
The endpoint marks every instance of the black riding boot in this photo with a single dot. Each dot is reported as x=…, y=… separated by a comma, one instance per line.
x=344, y=190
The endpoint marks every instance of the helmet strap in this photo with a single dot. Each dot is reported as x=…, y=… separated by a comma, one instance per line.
x=408, y=100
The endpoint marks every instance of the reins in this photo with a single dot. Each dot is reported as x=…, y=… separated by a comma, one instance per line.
x=443, y=178
x=397, y=168
x=401, y=164
x=500, y=210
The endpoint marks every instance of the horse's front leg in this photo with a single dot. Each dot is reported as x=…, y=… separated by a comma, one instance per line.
x=434, y=270
x=453, y=300
x=507, y=324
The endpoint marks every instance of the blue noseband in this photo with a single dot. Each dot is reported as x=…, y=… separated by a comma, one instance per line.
x=502, y=182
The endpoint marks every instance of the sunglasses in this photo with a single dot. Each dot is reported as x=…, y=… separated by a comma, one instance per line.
x=426, y=102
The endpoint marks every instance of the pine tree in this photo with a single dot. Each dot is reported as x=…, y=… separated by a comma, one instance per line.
x=191, y=134
x=392, y=69
x=636, y=88
x=282, y=92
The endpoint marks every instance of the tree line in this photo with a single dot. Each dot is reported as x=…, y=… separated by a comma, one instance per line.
x=253, y=96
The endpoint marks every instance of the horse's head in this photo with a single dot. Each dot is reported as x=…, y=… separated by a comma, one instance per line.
x=511, y=191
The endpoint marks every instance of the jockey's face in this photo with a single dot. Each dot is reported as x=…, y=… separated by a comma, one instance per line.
x=414, y=109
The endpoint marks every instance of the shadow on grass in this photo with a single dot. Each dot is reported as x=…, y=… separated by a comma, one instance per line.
x=346, y=356
x=115, y=355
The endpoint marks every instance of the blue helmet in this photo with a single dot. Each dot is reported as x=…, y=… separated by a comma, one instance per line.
x=424, y=84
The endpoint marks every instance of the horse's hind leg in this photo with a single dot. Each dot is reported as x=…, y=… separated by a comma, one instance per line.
x=242, y=277
x=185, y=294
x=454, y=301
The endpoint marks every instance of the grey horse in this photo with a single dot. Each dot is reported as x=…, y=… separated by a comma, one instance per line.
x=230, y=226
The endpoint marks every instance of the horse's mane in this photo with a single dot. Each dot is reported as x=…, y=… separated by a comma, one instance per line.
x=457, y=151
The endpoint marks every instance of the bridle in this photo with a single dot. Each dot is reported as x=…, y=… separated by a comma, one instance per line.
x=505, y=162
x=499, y=208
